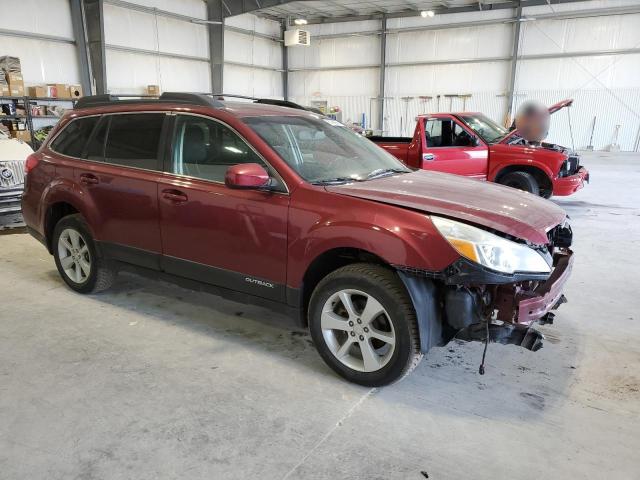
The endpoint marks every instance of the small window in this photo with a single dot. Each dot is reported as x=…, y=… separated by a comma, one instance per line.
x=95, y=148
x=446, y=133
x=206, y=149
x=73, y=138
x=133, y=140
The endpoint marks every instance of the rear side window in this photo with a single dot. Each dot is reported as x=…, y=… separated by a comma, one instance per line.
x=133, y=140
x=72, y=140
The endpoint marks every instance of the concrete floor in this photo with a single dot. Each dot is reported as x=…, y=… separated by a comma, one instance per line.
x=149, y=381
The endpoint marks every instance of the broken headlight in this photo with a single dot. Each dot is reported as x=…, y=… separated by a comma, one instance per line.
x=490, y=250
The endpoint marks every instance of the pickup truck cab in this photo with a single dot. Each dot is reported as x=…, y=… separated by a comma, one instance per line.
x=288, y=209
x=472, y=145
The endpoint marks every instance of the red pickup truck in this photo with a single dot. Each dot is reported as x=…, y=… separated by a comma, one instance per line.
x=473, y=145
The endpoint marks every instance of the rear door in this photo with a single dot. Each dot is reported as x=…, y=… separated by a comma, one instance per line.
x=231, y=238
x=450, y=147
x=119, y=178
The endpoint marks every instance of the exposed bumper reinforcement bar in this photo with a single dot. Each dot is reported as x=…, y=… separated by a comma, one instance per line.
x=507, y=334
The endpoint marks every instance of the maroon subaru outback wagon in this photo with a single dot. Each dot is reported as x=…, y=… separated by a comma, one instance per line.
x=288, y=209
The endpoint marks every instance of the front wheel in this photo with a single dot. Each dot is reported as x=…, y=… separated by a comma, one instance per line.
x=522, y=181
x=364, y=326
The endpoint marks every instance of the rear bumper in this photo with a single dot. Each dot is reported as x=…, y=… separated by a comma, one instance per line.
x=563, y=186
x=546, y=296
x=10, y=200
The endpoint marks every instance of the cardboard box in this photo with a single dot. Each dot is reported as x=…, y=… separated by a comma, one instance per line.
x=23, y=135
x=38, y=91
x=153, y=90
x=14, y=79
x=59, y=90
x=75, y=91
x=16, y=90
x=4, y=90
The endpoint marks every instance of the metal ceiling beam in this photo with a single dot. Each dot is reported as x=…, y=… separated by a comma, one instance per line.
x=35, y=36
x=238, y=7
x=94, y=22
x=285, y=63
x=443, y=10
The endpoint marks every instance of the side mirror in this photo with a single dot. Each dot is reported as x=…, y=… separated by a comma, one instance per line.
x=247, y=175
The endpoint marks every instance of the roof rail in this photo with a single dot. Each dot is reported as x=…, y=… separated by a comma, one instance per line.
x=202, y=99
x=265, y=101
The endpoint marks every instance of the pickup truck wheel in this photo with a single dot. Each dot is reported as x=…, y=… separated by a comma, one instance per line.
x=522, y=181
x=364, y=326
x=77, y=259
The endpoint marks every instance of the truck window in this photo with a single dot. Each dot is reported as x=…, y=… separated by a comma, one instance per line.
x=443, y=132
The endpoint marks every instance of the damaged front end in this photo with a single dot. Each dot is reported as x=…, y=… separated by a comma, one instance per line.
x=474, y=303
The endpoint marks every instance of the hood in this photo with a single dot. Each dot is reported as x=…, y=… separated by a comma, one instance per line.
x=504, y=209
x=12, y=149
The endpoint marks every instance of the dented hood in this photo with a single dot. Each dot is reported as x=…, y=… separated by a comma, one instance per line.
x=504, y=209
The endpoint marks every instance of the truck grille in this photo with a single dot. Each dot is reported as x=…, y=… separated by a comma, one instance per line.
x=11, y=174
x=570, y=166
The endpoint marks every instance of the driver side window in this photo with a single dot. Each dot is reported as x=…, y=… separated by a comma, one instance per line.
x=441, y=132
x=205, y=149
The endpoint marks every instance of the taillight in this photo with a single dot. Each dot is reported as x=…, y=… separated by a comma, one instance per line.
x=31, y=162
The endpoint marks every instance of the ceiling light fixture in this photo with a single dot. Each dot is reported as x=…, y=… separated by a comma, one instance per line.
x=427, y=13
x=300, y=21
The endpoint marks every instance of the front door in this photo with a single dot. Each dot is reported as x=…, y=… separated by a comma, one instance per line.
x=231, y=238
x=451, y=148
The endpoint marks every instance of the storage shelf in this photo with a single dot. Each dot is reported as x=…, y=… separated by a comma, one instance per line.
x=24, y=117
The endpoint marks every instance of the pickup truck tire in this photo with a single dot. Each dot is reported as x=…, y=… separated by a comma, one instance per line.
x=364, y=325
x=522, y=181
x=77, y=259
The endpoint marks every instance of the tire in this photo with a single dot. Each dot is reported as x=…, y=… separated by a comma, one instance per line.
x=77, y=259
x=522, y=181
x=382, y=321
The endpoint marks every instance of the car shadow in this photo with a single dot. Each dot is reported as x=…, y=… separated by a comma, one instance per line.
x=518, y=383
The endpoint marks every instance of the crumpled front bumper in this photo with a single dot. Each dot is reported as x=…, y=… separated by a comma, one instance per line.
x=563, y=186
x=10, y=200
x=533, y=305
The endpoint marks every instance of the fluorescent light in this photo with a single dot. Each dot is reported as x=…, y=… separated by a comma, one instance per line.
x=427, y=13
x=300, y=21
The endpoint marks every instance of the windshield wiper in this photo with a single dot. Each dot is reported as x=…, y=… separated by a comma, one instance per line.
x=384, y=171
x=337, y=180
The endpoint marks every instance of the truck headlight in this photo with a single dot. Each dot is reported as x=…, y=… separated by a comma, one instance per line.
x=490, y=250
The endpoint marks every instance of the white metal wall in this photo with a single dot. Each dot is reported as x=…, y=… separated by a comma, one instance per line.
x=170, y=38
x=253, y=63
x=475, y=60
x=42, y=61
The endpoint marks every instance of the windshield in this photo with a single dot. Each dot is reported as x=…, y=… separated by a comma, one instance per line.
x=489, y=130
x=321, y=150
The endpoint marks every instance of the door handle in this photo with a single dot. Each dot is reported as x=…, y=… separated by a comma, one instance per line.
x=89, y=179
x=175, y=196
x=428, y=157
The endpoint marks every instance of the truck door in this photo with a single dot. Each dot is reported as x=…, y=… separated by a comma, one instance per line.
x=448, y=146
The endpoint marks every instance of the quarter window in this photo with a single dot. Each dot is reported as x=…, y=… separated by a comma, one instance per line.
x=133, y=140
x=72, y=140
x=205, y=149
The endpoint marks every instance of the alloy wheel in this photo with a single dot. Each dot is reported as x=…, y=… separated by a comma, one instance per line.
x=74, y=255
x=358, y=330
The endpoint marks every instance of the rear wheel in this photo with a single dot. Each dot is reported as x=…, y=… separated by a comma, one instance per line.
x=522, y=181
x=77, y=259
x=364, y=326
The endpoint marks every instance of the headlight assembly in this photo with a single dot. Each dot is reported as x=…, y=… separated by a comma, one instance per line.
x=490, y=250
